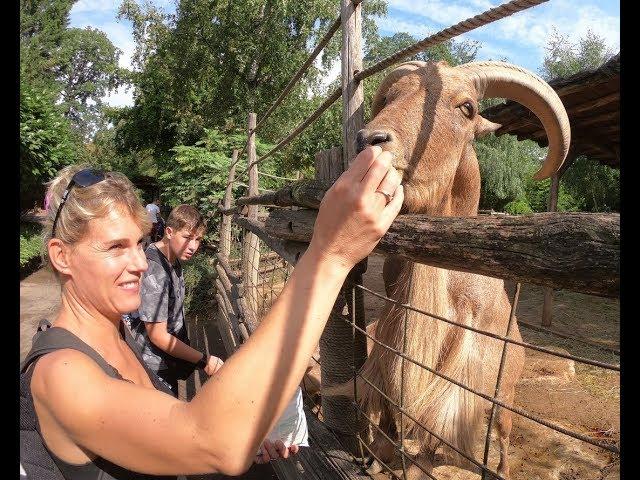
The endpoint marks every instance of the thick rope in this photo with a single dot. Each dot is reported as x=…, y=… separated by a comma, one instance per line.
x=465, y=26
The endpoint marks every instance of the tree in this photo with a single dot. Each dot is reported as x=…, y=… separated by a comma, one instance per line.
x=46, y=142
x=77, y=66
x=87, y=70
x=564, y=58
x=219, y=61
x=197, y=174
x=596, y=186
x=42, y=29
x=451, y=51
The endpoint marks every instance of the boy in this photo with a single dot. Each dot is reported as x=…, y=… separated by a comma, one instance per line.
x=159, y=325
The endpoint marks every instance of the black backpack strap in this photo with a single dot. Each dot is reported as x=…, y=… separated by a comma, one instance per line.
x=55, y=338
x=155, y=380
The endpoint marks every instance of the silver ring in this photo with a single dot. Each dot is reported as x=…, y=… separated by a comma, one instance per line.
x=388, y=196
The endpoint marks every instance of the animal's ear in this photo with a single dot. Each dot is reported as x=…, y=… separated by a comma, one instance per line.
x=484, y=127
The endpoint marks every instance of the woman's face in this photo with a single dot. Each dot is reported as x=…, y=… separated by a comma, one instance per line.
x=107, y=264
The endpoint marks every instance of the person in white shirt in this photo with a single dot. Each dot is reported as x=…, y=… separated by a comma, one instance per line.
x=153, y=209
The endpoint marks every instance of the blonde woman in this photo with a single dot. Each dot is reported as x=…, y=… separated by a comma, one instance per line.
x=99, y=411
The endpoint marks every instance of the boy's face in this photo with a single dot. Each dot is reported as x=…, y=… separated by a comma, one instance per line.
x=184, y=243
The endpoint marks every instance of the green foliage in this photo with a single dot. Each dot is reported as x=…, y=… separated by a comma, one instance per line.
x=77, y=66
x=518, y=207
x=211, y=64
x=199, y=281
x=538, y=192
x=596, y=185
x=42, y=29
x=505, y=167
x=197, y=174
x=30, y=243
x=46, y=142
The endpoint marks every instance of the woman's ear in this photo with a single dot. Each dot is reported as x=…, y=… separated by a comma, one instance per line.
x=59, y=255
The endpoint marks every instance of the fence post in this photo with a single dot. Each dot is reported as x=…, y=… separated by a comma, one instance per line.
x=547, y=307
x=224, y=248
x=250, y=245
x=340, y=350
x=225, y=226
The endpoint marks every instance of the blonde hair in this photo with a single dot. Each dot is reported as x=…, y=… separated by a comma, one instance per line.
x=187, y=216
x=115, y=192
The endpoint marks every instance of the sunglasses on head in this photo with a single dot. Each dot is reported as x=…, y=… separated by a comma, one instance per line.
x=83, y=178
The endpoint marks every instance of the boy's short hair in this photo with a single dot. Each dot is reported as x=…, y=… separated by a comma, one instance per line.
x=187, y=216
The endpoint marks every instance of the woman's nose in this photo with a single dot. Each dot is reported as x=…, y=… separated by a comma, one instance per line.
x=139, y=260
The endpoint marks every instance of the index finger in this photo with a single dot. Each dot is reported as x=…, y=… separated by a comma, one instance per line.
x=361, y=163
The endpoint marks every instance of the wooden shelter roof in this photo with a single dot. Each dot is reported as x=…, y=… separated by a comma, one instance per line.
x=592, y=101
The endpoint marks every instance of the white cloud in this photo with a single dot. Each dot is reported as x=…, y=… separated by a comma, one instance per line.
x=121, y=36
x=394, y=25
x=82, y=6
x=529, y=30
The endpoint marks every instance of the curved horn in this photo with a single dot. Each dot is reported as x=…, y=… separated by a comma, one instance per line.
x=500, y=79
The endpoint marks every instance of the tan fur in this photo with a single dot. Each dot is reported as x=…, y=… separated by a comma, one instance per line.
x=418, y=105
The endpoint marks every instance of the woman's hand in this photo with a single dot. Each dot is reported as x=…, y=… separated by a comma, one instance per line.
x=275, y=450
x=213, y=365
x=355, y=213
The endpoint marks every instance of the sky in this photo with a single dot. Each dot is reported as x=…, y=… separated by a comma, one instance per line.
x=520, y=38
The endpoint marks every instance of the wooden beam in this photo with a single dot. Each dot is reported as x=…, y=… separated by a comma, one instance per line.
x=251, y=245
x=305, y=193
x=290, y=251
x=573, y=251
x=225, y=224
x=227, y=268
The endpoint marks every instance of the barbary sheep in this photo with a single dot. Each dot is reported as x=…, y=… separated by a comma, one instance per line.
x=427, y=115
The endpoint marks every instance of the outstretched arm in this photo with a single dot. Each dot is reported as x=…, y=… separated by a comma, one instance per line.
x=224, y=424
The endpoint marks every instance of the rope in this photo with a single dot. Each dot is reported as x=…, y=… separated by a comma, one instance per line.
x=301, y=70
x=465, y=26
x=325, y=105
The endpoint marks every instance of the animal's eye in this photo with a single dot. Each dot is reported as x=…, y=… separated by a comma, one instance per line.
x=467, y=109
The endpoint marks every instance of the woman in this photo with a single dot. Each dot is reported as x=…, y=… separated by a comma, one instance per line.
x=92, y=422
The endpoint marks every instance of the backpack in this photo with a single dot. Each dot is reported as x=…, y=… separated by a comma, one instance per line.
x=35, y=459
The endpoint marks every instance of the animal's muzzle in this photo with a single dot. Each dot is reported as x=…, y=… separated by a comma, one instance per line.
x=365, y=137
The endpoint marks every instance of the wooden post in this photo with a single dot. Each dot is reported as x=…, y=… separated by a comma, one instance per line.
x=250, y=246
x=547, y=307
x=352, y=92
x=224, y=250
x=341, y=350
x=225, y=226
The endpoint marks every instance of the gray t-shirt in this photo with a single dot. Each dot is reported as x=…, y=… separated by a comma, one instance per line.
x=162, y=298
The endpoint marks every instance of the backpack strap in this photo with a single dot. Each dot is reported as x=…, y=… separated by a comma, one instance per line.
x=55, y=338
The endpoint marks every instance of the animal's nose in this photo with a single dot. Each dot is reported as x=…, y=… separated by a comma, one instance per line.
x=366, y=137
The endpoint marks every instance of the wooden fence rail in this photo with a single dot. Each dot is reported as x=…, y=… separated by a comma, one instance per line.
x=573, y=251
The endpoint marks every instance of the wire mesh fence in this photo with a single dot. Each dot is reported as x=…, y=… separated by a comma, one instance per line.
x=273, y=272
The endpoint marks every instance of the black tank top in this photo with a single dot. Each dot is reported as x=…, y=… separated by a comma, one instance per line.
x=56, y=338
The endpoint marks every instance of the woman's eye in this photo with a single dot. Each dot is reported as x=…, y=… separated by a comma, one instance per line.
x=467, y=109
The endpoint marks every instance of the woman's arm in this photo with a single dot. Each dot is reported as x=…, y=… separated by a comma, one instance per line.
x=223, y=426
